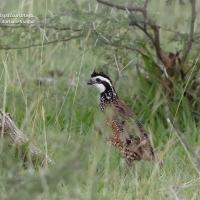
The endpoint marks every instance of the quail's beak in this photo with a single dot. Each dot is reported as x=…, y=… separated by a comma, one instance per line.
x=90, y=82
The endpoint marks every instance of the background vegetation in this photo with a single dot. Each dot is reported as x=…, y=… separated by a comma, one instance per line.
x=44, y=69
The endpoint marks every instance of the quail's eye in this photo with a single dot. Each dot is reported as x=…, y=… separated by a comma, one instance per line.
x=98, y=80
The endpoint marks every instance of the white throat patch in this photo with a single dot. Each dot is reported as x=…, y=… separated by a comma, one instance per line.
x=100, y=87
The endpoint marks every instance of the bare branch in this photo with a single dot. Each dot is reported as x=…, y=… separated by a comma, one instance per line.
x=63, y=28
x=106, y=40
x=16, y=137
x=143, y=28
x=125, y=47
x=155, y=38
x=58, y=28
x=152, y=31
x=130, y=8
x=5, y=47
x=156, y=43
x=188, y=44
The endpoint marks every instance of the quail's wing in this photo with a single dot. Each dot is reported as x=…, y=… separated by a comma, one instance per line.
x=128, y=119
x=132, y=123
x=134, y=133
x=123, y=109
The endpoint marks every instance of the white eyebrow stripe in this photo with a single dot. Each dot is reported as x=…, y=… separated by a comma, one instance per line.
x=104, y=79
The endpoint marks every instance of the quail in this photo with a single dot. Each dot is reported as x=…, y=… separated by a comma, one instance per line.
x=128, y=134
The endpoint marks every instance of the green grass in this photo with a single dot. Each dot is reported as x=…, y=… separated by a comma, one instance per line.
x=62, y=118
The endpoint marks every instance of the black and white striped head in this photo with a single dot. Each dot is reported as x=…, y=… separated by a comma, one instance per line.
x=104, y=84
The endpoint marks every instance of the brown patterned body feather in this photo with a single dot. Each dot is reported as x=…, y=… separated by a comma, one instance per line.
x=129, y=135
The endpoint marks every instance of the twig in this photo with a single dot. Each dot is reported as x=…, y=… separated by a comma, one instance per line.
x=188, y=44
x=130, y=8
x=142, y=28
x=107, y=41
x=5, y=47
x=63, y=28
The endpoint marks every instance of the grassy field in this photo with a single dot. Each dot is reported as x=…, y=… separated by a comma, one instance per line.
x=60, y=114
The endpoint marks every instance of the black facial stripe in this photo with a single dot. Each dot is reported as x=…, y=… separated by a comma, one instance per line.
x=107, y=85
